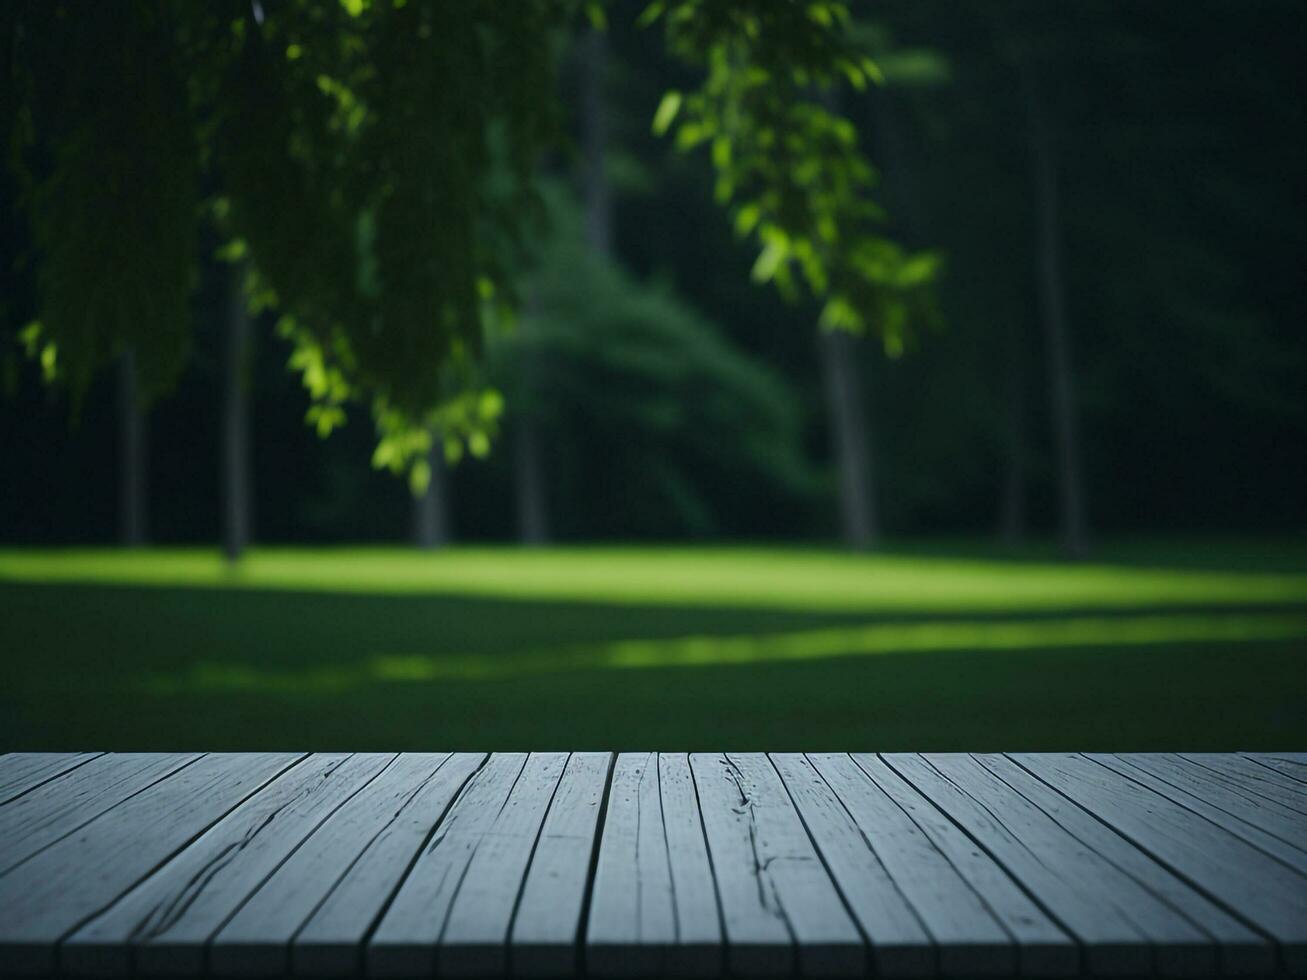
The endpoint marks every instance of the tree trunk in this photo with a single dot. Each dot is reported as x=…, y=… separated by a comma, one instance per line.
x=133, y=486
x=532, y=512
x=1052, y=306
x=431, y=510
x=1012, y=502
x=847, y=415
x=597, y=192
x=849, y=430
x=236, y=523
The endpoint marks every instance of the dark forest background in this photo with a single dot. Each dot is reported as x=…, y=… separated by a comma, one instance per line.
x=1174, y=134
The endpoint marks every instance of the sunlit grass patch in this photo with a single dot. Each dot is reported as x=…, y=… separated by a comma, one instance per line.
x=805, y=580
x=716, y=651
x=677, y=648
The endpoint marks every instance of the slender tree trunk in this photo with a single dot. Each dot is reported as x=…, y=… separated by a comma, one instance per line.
x=431, y=510
x=850, y=433
x=532, y=511
x=528, y=459
x=236, y=522
x=1052, y=305
x=133, y=475
x=597, y=190
x=1012, y=503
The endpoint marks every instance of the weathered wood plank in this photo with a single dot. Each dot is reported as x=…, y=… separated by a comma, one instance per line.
x=698, y=951
x=1078, y=887
x=1291, y=765
x=547, y=925
x=21, y=772
x=900, y=945
x=774, y=890
x=44, y=898
x=544, y=866
x=1232, y=771
x=52, y=811
x=404, y=943
x=1254, y=818
x=161, y=927
x=956, y=918
x=1240, y=950
x=330, y=944
x=475, y=939
x=1231, y=871
x=632, y=908
x=256, y=941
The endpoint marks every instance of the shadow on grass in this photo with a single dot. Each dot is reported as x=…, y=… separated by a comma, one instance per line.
x=163, y=668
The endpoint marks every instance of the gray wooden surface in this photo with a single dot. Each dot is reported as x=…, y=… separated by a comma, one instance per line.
x=557, y=864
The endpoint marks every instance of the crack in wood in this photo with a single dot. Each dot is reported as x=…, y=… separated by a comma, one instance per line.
x=768, y=895
x=165, y=914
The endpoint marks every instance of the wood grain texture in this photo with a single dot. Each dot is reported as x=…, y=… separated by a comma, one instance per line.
x=781, y=909
x=256, y=941
x=1238, y=774
x=1280, y=833
x=969, y=943
x=900, y=945
x=1116, y=921
x=563, y=864
x=21, y=772
x=45, y=898
x=547, y=924
x=51, y=811
x=330, y=943
x=1232, y=946
x=1292, y=765
x=162, y=926
x=698, y=951
x=475, y=938
x=633, y=909
x=1231, y=871
x=404, y=943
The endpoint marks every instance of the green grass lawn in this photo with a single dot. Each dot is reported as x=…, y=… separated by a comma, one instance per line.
x=932, y=647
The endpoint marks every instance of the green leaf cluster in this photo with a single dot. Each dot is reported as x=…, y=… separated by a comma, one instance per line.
x=787, y=162
x=372, y=165
x=105, y=151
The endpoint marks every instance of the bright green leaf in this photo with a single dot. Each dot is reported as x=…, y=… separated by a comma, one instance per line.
x=667, y=110
x=769, y=260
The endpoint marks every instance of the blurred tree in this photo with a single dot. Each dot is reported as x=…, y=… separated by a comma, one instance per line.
x=375, y=165
x=842, y=375
x=528, y=458
x=431, y=505
x=842, y=371
x=788, y=164
x=1180, y=169
x=133, y=457
x=651, y=420
x=530, y=484
x=597, y=192
x=530, y=491
x=1176, y=184
x=236, y=475
x=1053, y=319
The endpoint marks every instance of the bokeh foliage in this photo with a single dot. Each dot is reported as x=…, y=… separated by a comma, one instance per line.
x=787, y=162
x=373, y=167
x=614, y=368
